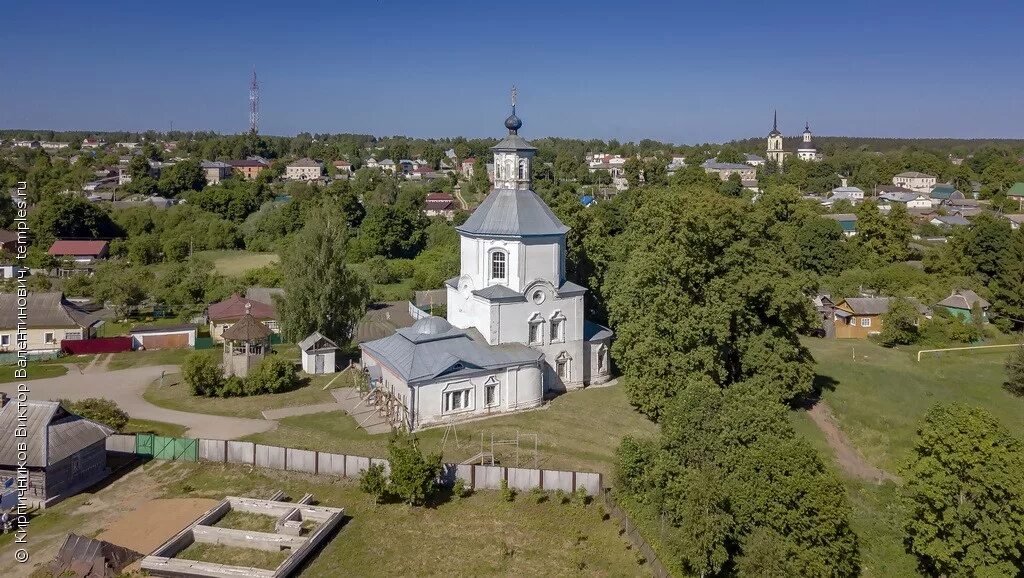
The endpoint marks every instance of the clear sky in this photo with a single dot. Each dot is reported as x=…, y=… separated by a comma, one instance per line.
x=682, y=72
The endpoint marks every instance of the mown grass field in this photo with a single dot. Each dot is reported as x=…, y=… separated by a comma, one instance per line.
x=578, y=431
x=238, y=263
x=878, y=397
x=35, y=370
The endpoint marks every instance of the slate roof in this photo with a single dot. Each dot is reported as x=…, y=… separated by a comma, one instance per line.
x=569, y=288
x=234, y=308
x=964, y=300
x=306, y=162
x=316, y=342
x=44, y=311
x=952, y=220
x=53, y=433
x=264, y=295
x=247, y=329
x=432, y=347
x=867, y=305
x=513, y=213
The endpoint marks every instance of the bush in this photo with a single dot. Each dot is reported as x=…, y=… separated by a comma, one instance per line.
x=580, y=497
x=375, y=482
x=273, y=375
x=99, y=410
x=413, y=475
x=507, y=494
x=202, y=374
x=1015, y=371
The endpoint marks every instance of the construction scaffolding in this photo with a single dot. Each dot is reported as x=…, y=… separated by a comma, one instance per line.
x=516, y=449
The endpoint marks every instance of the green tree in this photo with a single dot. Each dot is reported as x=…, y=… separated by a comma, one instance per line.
x=697, y=289
x=413, y=474
x=1015, y=371
x=181, y=177
x=202, y=373
x=124, y=288
x=964, y=495
x=321, y=292
x=274, y=374
x=70, y=216
x=1008, y=283
x=899, y=324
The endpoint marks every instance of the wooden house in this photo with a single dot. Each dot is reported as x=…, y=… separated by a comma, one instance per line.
x=66, y=453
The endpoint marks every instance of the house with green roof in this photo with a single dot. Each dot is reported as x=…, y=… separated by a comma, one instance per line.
x=944, y=192
x=1016, y=193
x=961, y=305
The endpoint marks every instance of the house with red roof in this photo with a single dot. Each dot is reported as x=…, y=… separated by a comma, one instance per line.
x=342, y=167
x=226, y=313
x=81, y=253
x=440, y=204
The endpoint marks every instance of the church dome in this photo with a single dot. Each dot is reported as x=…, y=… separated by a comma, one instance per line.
x=431, y=326
x=513, y=123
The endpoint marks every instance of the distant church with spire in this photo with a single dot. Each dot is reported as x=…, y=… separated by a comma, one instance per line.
x=515, y=330
x=806, y=150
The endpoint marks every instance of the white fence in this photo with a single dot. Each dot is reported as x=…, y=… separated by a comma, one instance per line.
x=346, y=466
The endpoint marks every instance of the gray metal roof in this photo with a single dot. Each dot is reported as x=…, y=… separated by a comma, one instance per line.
x=316, y=342
x=595, y=332
x=964, y=300
x=44, y=311
x=868, y=305
x=513, y=213
x=570, y=288
x=432, y=347
x=496, y=292
x=513, y=142
x=264, y=294
x=53, y=433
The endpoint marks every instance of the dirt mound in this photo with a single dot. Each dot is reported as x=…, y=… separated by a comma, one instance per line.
x=153, y=522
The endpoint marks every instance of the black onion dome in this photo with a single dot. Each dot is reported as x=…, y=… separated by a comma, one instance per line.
x=513, y=123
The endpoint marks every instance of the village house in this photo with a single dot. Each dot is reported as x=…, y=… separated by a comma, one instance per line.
x=947, y=221
x=93, y=143
x=861, y=317
x=51, y=146
x=215, y=171
x=942, y=194
x=342, y=167
x=304, y=169
x=961, y=305
x=224, y=314
x=915, y=181
x=51, y=318
x=515, y=330
x=848, y=221
x=1016, y=193
x=853, y=194
x=1015, y=221
x=9, y=241
x=76, y=256
x=249, y=169
x=388, y=165
x=726, y=170
x=440, y=205
x=65, y=453
x=467, y=167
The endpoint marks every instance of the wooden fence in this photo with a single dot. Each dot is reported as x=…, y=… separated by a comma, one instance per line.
x=346, y=466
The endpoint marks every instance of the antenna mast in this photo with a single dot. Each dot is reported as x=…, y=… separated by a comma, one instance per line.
x=254, y=104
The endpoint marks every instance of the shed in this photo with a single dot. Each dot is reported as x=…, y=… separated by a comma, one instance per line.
x=66, y=453
x=318, y=354
x=164, y=336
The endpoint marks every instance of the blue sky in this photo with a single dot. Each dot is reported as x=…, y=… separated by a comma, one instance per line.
x=674, y=71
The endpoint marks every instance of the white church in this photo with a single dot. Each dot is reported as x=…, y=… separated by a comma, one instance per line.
x=515, y=330
x=805, y=151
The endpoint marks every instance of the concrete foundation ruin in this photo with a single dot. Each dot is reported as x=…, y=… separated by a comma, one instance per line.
x=287, y=537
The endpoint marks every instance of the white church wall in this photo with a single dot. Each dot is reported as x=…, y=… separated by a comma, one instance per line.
x=518, y=388
x=543, y=259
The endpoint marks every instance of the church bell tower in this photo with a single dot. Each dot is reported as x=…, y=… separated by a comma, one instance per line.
x=775, y=152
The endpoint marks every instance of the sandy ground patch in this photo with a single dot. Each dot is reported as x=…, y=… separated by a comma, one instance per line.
x=152, y=523
x=850, y=460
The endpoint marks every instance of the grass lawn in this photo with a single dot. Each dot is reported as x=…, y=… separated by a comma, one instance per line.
x=479, y=535
x=159, y=428
x=579, y=431
x=35, y=370
x=238, y=263
x=247, y=521
x=129, y=359
x=178, y=396
x=880, y=397
x=233, y=555
x=119, y=328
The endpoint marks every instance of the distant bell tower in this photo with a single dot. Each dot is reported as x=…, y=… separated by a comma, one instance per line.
x=775, y=152
x=513, y=156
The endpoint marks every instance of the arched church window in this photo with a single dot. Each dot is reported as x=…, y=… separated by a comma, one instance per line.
x=557, y=327
x=602, y=359
x=522, y=169
x=536, y=330
x=498, y=264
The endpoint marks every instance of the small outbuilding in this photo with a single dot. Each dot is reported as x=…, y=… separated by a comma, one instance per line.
x=164, y=336
x=246, y=343
x=318, y=354
x=66, y=453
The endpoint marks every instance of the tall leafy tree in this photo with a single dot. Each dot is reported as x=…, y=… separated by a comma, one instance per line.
x=697, y=290
x=964, y=495
x=321, y=292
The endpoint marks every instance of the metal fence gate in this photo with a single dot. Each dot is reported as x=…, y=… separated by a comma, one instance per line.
x=167, y=448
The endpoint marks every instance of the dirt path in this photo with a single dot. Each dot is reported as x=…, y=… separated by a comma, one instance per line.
x=850, y=460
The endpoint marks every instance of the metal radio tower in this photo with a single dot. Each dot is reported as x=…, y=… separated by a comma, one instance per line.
x=254, y=104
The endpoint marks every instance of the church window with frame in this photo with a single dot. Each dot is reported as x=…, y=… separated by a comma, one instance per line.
x=491, y=398
x=456, y=400
x=536, y=333
x=499, y=264
x=562, y=365
x=557, y=333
